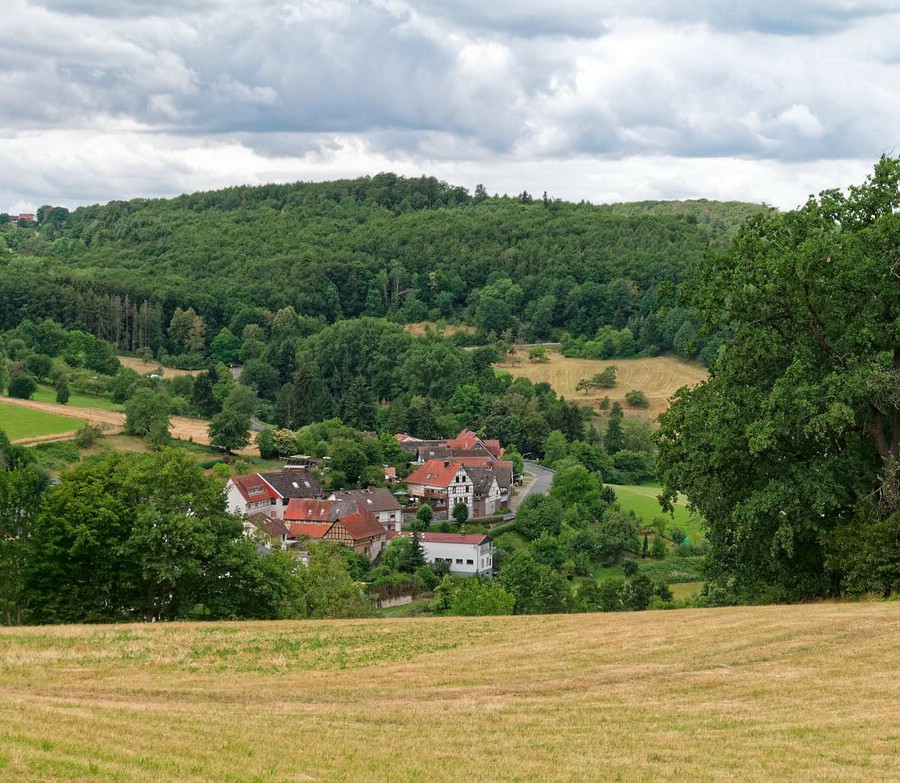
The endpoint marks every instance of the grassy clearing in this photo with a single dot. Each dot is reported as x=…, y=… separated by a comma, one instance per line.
x=658, y=377
x=18, y=422
x=420, y=328
x=46, y=393
x=752, y=694
x=145, y=368
x=684, y=590
x=642, y=500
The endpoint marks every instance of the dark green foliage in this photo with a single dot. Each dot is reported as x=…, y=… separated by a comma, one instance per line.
x=87, y=435
x=606, y=379
x=460, y=513
x=536, y=587
x=798, y=423
x=341, y=249
x=62, y=391
x=22, y=386
x=538, y=514
x=637, y=399
x=22, y=485
x=403, y=554
x=472, y=597
x=629, y=567
x=230, y=429
x=147, y=415
x=146, y=536
x=613, y=438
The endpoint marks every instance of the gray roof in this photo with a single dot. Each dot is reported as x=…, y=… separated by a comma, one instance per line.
x=294, y=484
x=482, y=478
x=374, y=499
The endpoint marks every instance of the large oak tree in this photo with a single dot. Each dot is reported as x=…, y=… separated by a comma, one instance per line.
x=790, y=449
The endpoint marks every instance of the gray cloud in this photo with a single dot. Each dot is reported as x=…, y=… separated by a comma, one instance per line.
x=255, y=87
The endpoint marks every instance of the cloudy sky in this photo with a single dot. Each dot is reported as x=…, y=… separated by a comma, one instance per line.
x=605, y=100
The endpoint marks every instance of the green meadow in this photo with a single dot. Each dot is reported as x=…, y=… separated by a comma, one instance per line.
x=19, y=422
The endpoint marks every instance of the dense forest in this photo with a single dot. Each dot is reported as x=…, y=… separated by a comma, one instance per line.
x=384, y=246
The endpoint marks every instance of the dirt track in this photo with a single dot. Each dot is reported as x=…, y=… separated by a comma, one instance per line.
x=112, y=422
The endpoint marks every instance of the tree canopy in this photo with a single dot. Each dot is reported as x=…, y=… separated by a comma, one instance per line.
x=790, y=449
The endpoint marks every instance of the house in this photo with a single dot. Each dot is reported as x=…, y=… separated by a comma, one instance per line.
x=443, y=484
x=485, y=491
x=308, y=518
x=26, y=217
x=360, y=531
x=390, y=474
x=501, y=469
x=250, y=495
x=380, y=501
x=465, y=444
x=269, y=492
x=340, y=519
x=290, y=484
x=469, y=554
x=271, y=529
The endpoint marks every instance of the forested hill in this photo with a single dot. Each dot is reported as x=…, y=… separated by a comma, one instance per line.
x=408, y=249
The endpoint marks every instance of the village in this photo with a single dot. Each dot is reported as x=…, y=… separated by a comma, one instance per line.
x=289, y=508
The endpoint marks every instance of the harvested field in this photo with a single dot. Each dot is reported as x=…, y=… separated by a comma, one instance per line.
x=659, y=377
x=183, y=428
x=793, y=694
x=144, y=368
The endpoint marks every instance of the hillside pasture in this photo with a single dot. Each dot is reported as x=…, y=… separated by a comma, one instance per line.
x=45, y=393
x=21, y=423
x=183, y=428
x=659, y=377
x=642, y=500
x=792, y=694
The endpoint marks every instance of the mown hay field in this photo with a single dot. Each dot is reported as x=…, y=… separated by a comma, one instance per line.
x=145, y=367
x=24, y=423
x=659, y=377
x=801, y=693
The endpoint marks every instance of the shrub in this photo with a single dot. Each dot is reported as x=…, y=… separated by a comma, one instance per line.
x=87, y=435
x=22, y=386
x=637, y=399
x=629, y=567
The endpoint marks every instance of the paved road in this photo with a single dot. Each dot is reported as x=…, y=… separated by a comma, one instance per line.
x=537, y=479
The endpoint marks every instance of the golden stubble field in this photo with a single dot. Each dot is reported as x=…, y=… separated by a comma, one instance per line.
x=802, y=693
x=659, y=377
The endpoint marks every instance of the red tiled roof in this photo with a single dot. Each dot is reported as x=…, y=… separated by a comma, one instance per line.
x=302, y=510
x=361, y=525
x=305, y=530
x=253, y=488
x=494, y=447
x=434, y=473
x=390, y=472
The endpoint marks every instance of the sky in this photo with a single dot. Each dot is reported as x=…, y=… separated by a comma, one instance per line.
x=602, y=100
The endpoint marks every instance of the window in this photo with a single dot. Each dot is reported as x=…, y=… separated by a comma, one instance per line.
x=469, y=562
x=459, y=561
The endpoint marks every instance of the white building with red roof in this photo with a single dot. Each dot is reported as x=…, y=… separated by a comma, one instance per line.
x=443, y=484
x=467, y=554
x=251, y=494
